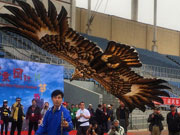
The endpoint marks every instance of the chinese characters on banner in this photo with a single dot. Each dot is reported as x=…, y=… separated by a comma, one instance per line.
x=17, y=74
x=169, y=101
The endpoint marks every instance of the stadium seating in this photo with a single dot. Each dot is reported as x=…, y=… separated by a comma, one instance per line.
x=154, y=58
x=177, y=84
x=176, y=59
x=146, y=56
x=102, y=42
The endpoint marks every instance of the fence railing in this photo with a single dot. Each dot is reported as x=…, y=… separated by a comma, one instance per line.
x=158, y=71
x=138, y=119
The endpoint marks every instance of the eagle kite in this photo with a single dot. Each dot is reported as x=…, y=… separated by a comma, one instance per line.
x=111, y=68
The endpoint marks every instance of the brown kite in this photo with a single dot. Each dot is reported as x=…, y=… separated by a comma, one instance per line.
x=111, y=68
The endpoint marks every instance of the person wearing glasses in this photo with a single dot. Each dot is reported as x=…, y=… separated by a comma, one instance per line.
x=17, y=114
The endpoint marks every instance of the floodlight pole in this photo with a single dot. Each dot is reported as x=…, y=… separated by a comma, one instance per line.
x=88, y=30
x=73, y=13
x=154, y=47
x=134, y=10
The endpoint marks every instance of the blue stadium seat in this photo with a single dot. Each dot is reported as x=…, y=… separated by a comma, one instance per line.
x=146, y=56
x=174, y=58
x=177, y=84
x=154, y=58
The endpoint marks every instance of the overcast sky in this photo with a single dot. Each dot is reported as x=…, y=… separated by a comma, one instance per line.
x=168, y=13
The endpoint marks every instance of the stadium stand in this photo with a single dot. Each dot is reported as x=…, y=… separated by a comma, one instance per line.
x=175, y=59
x=154, y=58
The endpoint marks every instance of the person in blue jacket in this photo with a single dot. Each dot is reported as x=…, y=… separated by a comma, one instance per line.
x=52, y=123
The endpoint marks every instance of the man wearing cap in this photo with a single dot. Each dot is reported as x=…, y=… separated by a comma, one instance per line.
x=173, y=121
x=17, y=115
x=5, y=113
x=64, y=104
x=155, y=120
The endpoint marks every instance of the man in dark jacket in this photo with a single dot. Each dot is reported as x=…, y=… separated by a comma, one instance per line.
x=5, y=113
x=34, y=116
x=91, y=111
x=155, y=120
x=105, y=118
x=122, y=114
x=173, y=121
x=99, y=118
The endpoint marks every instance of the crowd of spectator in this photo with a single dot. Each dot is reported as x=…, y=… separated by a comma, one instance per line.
x=99, y=121
x=173, y=121
x=87, y=121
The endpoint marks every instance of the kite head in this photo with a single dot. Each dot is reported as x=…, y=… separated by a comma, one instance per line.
x=77, y=74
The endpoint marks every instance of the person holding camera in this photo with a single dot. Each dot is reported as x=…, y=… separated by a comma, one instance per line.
x=155, y=120
x=83, y=116
x=116, y=129
x=93, y=129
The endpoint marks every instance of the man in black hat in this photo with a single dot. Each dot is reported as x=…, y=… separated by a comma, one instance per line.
x=173, y=121
x=155, y=120
x=5, y=113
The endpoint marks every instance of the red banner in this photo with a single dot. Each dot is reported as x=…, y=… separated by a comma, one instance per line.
x=169, y=101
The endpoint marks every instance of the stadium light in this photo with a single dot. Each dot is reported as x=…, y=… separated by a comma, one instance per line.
x=154, y=47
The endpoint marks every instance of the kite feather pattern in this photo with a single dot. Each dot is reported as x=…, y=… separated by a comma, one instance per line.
x=111, y=68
